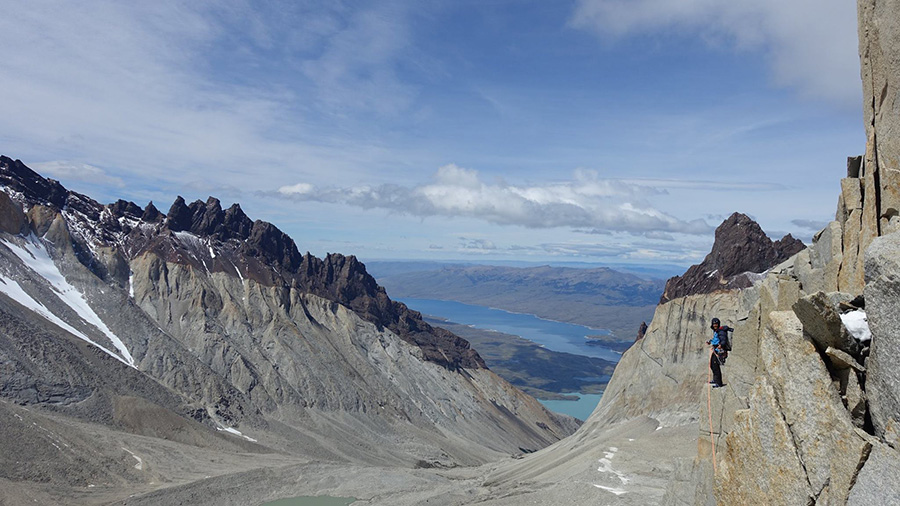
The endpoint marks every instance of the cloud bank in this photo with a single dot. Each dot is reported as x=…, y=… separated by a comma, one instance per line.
x=811, y=45
x=585, y=202
x=74, y=171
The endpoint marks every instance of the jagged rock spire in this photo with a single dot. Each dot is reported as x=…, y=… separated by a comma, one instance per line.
x=740, y=247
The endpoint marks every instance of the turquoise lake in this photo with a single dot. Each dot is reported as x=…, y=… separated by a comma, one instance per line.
x=580, y=409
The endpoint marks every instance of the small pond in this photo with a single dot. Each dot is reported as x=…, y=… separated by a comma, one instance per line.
x=322, y=500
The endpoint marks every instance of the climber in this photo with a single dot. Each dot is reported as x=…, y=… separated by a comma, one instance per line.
x=720, y=345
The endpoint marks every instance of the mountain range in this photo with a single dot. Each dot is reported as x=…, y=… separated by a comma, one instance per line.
x=205, y=328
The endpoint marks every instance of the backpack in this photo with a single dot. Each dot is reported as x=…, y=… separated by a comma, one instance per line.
x=724, y=334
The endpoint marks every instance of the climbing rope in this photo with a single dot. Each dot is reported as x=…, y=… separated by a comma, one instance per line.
x=709, y=412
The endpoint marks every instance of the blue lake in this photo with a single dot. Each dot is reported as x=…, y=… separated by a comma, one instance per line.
x=556, y=336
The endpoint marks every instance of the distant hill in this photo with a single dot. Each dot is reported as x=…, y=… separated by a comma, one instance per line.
x=599, y=297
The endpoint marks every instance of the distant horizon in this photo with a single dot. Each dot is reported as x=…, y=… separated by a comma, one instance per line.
x=661, y=271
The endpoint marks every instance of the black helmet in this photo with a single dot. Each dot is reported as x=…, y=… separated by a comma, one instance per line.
x=714, y=323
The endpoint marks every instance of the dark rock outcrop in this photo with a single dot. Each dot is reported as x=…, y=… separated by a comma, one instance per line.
x=18, y=177
x=741, y=248
x=642, y=331
x=151, y=214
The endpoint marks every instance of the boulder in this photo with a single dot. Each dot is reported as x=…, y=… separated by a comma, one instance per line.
x=821, y=321
x=854, y=165
x=892, y=434
x=41, y=217
x=855, y=400
x=842, y=360
x=882, y=303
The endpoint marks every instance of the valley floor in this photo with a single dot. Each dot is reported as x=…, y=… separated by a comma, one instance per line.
x=627, y=464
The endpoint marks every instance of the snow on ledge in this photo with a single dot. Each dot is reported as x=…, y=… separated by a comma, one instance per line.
x=857, y=324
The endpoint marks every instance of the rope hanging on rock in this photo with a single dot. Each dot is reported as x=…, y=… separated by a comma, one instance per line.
x=709, y=411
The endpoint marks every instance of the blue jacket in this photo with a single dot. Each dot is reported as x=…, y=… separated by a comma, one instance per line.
x=715, y=341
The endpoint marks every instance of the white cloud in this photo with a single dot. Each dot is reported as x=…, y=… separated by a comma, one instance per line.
x=297, y=189
x=70, y=171
x=471, y=245
x=811, y=44
x=356, y=67
x=585, y=202
x=177, y=88
x=814, y=225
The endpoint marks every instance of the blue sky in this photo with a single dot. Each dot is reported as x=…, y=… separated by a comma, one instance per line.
x=606, y=131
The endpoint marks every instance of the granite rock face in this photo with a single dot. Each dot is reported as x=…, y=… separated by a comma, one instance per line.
x=741, y=249
x=767, y=447
x=882, y=301
x=877, y=483
x=879, y=40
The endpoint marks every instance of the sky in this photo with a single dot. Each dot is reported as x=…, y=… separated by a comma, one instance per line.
x=595, y=131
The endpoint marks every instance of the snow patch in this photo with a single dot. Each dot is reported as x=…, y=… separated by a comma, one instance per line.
x=131, y=284
x=606, y=467
x=236, y=269
x=14, y=291
x=232, y=430
x=191, y=240
x=617, y=491
x=140, y=462
x=857, y=324
x=36, y=258
x=756, y=277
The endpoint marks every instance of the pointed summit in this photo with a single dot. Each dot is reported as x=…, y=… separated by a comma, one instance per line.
x=151, y=214
x=741, y=248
